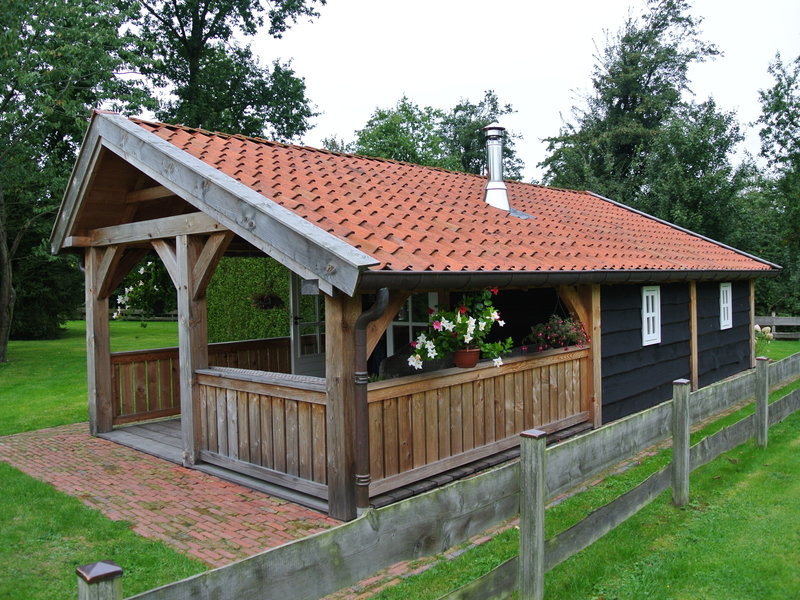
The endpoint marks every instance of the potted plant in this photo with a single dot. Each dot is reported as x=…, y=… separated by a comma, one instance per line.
x=462, y=331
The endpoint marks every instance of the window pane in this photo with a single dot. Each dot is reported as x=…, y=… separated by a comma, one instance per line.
x=401, y=338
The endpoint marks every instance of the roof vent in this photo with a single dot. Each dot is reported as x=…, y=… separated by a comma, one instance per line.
x=496, y=193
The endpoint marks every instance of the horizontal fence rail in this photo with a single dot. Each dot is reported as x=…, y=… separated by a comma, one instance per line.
x=776, y=322
x=427, y=524
x=145, y=383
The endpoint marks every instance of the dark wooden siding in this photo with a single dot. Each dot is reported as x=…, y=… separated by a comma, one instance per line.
x=722, y=352
x=636, y=377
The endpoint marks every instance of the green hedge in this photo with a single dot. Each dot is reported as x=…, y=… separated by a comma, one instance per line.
x=231, y=313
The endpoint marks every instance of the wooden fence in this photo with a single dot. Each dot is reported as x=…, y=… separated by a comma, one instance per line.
x=145, y=383
x=525, y=573
x=775, y=322
x=267, y=425
x=427, y=424
x=435, y=521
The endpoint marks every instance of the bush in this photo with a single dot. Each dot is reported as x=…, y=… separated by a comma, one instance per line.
x=236, y=292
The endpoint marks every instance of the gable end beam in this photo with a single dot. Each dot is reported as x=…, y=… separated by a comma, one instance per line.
x=145, y=231
x=304, y=248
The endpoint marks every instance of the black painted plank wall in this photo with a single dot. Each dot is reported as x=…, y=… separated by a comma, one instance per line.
x=636, y=377
x=722, y=352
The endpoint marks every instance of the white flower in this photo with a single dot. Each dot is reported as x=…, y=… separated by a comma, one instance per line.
x=149, y=262
x=448, y=325
x=501, y=322
x=497, y=361
x=495, y=315
x=467, y=338
x=757, y=327
x=482, y=325
x=141, y=270
x=458, y=317
x=421, y=339
x=766, y=330
x=430, y=349
x=415, y=360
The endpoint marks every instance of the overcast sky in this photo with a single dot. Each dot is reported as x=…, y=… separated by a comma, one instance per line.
x=537, y=56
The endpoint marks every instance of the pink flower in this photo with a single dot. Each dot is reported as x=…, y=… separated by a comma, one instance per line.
x=430, y=311
x=414, y=344
x=462, y=310
x=494, y=290
x=437, y=325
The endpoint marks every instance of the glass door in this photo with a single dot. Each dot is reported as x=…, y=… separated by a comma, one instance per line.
x=308, y=331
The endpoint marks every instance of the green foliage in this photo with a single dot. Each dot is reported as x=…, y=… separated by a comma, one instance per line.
x=58, y=60
x=148, y=289
x=232, y=300
x=213, y=80
x=450, y=139
x=51, y=293
x=635, y=122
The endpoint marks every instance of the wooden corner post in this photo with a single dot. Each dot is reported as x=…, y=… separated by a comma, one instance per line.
x=597, y=356
x=532, y=495
x=98, y=348
x=100, y=581
x=341, y=313
x=680, y=442
x=192, y=343
x=762, y=401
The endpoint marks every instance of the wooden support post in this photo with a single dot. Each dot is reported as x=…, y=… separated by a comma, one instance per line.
x=680, y=442
x=762, y=401
x=98, y=350
x=693, y=347
x=597, y=357
x=341, y=313
x=100, y=581
x=192, y=344
x=753, y=322
x=533, y=483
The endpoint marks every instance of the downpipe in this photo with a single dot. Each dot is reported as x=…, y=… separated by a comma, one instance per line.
x=362, y=474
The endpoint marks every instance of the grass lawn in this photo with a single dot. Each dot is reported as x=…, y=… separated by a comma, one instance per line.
x=44, y=382
x=45, y=534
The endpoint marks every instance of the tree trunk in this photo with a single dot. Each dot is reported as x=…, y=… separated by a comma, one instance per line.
x=6, y=283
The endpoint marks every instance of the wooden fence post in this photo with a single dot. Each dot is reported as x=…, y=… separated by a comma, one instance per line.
x=533, y=481
x=100, y=581
x=680, y=442
x=762, y=401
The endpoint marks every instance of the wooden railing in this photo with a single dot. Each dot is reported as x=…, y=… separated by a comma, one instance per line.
x=266, y=425
x=145, y=382
x=426, y=424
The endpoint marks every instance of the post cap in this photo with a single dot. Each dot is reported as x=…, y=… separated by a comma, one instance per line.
x=681, y=382
x=99, y=571
x=533, y=434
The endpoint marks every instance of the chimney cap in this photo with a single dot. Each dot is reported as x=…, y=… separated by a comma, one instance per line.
x=494, y=129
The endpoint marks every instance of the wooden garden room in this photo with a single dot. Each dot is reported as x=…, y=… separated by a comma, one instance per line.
x=366, y=240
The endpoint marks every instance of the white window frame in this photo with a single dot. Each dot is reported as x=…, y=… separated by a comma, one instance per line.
x=651, y=315
x=725, y=306
x=433, y=300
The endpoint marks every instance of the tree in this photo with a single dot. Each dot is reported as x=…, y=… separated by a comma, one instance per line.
x=639, y=80
x=449, y=139
x=57, y=61
x=215, y=82
x=687, y=175
x=780, y=146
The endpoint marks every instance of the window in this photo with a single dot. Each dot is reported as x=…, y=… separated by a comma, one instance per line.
x=725, y=312
x=410, y=321
x=651, y=315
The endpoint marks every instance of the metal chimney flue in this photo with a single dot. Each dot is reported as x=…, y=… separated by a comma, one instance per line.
x=496, y=192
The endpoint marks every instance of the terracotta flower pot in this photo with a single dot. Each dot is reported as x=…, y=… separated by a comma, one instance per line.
x=466, y=358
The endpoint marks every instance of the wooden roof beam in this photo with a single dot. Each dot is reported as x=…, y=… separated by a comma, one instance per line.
x=146, y=194
x=154, y=229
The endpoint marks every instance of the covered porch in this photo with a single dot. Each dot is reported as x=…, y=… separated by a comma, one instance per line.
x=247, y=407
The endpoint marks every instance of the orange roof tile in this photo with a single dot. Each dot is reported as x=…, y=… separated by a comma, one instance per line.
x=413, y=218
